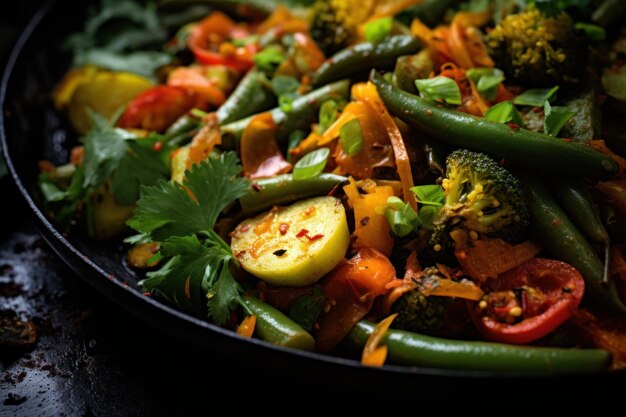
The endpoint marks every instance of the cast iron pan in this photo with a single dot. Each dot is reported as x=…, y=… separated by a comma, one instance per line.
x=30, y=130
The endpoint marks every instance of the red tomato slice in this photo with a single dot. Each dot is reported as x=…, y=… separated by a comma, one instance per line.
x=528, y=302
x=158, y=107
x=210, y=42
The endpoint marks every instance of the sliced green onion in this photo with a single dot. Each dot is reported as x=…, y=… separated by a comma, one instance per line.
x=555, y=118
x=379, y=29
x=401, y=217
x=504, y=112
x=269, y=58
x=488, y=86
x=475, y=74
x=432, y=194
x=283, y=85
x=285, y=102
x=311, y=165
x=594, y=32
x=536, y=96
x=329, y=110
x=351, y=137
x=437, y=88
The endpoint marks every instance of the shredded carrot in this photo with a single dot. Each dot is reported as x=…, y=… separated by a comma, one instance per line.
x=457, y=45
x=260, y=155
x=373, y=355
x=466, y=290
x=247, y=326
x=391, y=8
x=481, y=103
x=367, y=93
x=487, y=258
x=283, y=21
x=205, y=140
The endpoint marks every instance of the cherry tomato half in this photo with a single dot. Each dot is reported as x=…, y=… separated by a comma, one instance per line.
x=211, y=42
x=527, y=302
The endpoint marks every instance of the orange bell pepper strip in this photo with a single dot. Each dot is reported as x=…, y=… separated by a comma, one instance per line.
x=371, y=227
x=193, y=79
x=488, y=258
x=367, y=93
x=282, y=21
x=247, y=326
x=205, y=140
x=260, y=155
x=350, y=290
x=373, y=354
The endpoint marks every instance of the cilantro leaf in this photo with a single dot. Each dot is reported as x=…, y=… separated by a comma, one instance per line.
x=168, y=209
x=196, y=268
x=116, y=154
x=139, y=166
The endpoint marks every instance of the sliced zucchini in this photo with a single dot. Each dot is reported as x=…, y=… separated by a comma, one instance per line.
x=295, y=245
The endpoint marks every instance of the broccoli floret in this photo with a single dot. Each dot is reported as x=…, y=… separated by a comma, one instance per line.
x=481, y=197
x=538, y=50
x=334, y=22
x=430, y=314
x=421, y=314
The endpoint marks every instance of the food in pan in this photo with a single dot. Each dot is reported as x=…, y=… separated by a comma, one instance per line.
x=426, y=183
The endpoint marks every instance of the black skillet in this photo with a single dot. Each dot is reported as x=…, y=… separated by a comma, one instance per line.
x=30, y=131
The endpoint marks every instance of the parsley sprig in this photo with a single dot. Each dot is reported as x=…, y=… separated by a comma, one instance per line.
x=183, y=216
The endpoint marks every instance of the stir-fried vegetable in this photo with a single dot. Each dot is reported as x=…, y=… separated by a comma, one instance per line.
x=464, y=194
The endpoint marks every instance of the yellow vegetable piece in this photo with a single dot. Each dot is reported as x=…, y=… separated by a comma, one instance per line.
x=179, y=164
x=295, y=245
x=109, y=217
x=105, y=93
x=64, y=90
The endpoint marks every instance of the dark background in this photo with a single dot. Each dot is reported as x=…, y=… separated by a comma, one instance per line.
x=92, y=358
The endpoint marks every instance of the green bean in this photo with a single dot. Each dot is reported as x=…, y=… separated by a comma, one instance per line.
x=429, y=12
x=365, y=55
x=564, y=241
x=575, y=198
x=252, y=95
x=304, y=111
x=283, y=189
x=501, y=141
x=275, y=327
x=410, y=68
x=406, y=348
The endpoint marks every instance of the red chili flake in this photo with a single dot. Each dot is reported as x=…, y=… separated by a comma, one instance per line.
x=556, y=222
x=316, y=237
x=537, y=109
x=365, y=220
x=502, y=162
x=429, y=112
x=302, y=233
x=283, y=228
x=569, y=140
x=158, y=145
x=513, y=126
x=112, y=276
x=245, y=228
x=147, y=294
x=256, y=186
x=125, y=284
x=312, y=102
x=240, y=254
